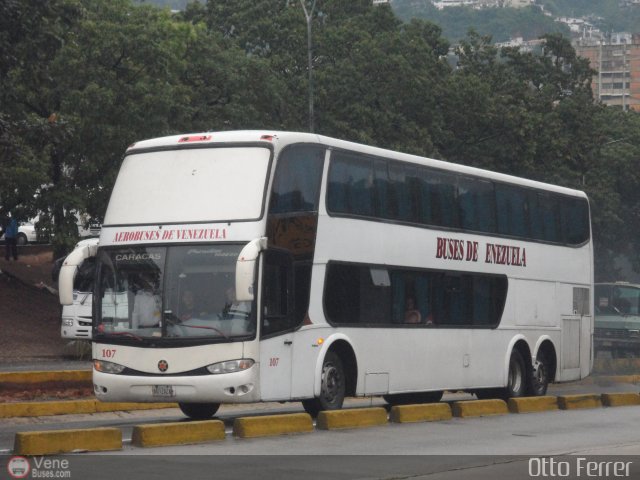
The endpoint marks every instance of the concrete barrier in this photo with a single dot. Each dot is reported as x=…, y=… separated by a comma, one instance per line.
x=532, y=404
x=270, y=425
x=430, y=412
x=66, y=441
x=620, y=399
x=572, y=402
x=66, y=407
x=177, y=433
x=479, y=408
x=351, y=418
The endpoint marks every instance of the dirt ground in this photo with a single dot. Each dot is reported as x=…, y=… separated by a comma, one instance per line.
x=29, y=311
x=30, y=325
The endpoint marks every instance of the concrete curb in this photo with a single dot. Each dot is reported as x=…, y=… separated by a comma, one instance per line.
x=177, y=433
x=66, y=407
x=46, y=376
x=430, y=412
x=532, y=404
x=620, y=399
x=351, y=418
x=572, y=402
x=479, y=408
x=270, y=425
x=191, y=432
x=66, y=441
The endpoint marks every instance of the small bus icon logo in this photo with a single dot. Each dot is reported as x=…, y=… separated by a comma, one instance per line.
x=18, y=467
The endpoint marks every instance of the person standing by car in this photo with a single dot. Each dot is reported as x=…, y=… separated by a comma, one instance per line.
x=11, y=238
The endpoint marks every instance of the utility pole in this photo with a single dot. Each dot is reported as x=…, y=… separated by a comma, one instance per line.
x=308, y=14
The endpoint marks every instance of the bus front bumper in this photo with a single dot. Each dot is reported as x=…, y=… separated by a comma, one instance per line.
x=237, y=387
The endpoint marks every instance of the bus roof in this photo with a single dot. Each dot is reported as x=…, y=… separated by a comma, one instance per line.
x=282, y=138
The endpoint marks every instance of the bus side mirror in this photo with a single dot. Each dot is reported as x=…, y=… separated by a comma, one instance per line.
x=70, y=268
x=246, y=269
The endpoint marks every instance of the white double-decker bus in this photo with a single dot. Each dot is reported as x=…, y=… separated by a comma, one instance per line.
x=274, y=266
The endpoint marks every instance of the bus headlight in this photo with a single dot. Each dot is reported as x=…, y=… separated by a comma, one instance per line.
x=231, y=366
x=67, y=322
x=107, y=367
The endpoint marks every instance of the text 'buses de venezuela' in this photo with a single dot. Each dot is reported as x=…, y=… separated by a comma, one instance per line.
x=275, y=266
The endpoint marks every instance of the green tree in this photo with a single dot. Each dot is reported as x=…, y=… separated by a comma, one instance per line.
x=32, y=34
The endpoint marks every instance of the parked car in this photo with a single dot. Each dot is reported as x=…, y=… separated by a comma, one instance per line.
x=617, y=319
x=26, y=234
x=77, y=317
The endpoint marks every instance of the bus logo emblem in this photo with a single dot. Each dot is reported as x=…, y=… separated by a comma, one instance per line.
x=163, y=365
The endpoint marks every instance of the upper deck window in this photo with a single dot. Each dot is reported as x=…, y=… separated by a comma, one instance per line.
x=388, y=190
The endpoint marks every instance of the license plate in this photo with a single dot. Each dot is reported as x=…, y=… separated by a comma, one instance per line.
x=162, y=391
x=607, y=344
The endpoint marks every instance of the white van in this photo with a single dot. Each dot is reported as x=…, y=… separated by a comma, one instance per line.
x=76, y=318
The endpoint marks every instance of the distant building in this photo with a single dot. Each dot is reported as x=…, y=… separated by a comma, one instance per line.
x=454, y=3
x=478, y=4
x=617, y=61
x=522, y=44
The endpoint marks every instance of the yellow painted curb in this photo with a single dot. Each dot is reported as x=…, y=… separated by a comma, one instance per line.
x=40, y=409
x=177, y=433
x=478, y=408
x=571, y=402
x=66, y=407
x=620, y=399
x=46, y=376
x=532, y=404
x=269, y=425
x=65, y=441
x=429, y=412
x=351, y=418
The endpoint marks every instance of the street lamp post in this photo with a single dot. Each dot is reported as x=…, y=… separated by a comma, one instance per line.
x=308, y=14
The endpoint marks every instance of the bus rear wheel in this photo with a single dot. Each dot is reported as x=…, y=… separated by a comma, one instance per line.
x=413, y=398
x=199, y=411
x=516, y=381
x=540, y=376
x=332, y=387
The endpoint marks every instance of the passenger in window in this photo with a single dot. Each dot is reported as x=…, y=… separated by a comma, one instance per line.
x=411, y=314
x=147, y=303
x=188, y=307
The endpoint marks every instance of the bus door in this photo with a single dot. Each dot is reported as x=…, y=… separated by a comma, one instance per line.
x=277, y=323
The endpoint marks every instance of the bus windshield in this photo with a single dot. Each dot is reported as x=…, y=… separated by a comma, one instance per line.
x=171, y=293
x=190, y=185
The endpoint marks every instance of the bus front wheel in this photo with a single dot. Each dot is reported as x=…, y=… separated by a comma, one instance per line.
x=332, y=387
x=199, y=411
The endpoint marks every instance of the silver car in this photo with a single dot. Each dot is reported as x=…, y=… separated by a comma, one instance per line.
x=26, y=234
